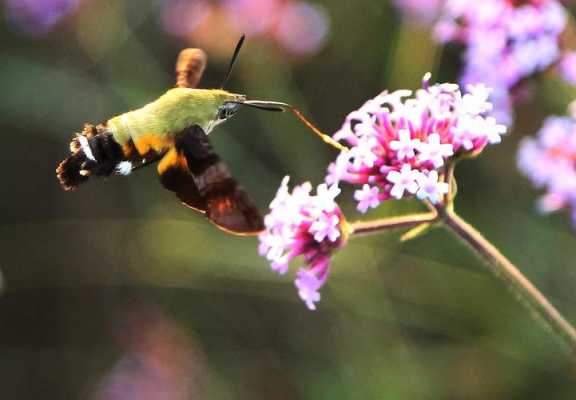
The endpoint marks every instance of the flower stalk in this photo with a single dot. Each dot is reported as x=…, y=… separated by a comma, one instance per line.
x=399, y=146
x=365, y=228
x=503, y=269
x=444, y=214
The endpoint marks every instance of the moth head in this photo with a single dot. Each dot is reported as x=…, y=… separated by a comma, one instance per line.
x=226, y=106
x=226, y=111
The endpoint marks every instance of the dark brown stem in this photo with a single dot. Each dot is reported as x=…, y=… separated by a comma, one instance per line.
x=363, y=228
x=528, y=294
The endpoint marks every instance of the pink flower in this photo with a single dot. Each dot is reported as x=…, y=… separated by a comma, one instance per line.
x=567, y=67
x=308, y=284
x=368, y=197
x=419, y=10
x=302, y=224
x=430, y=188
x=405, y=180
x=434, y=151
x=549, y=160
x=398, y=142
x=405, y=145
x=302, y=27
x=36, y=17
x=325, y=226
x=521, y=38
x=298, y=27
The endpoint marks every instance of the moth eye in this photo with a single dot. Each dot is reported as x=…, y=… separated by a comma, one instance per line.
x=227, y=110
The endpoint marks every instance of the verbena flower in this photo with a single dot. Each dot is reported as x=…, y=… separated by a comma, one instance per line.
x=302, y=224
x=298, y=27
x=36, y=17
x=419, y=10
x=549, y=160
x=399, y=143
x=506, y=41
x=567, y=67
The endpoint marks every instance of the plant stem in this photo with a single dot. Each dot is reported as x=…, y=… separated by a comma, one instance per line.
x=499, y=265
x=363, y=228
x=527, y=293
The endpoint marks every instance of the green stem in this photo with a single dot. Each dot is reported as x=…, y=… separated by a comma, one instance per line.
x=528, y=294
x=499, y=265
x=363, y=228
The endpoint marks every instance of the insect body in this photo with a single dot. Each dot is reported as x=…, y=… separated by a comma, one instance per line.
x=174, y=111
x=173, y=130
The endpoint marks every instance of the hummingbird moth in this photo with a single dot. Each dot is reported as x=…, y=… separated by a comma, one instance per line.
x=173, y=131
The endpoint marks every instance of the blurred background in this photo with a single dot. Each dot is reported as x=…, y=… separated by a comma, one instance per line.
x=116, y=291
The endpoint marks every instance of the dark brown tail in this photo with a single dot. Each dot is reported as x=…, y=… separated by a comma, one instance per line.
x=68, y=171
x=94, y=153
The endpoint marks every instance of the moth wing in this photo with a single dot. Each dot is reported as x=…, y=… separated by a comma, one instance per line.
x=227, y=204
x=176, y=177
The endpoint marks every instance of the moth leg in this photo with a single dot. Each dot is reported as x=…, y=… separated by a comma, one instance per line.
x=190, y=67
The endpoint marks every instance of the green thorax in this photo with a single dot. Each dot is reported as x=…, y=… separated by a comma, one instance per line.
x=174, y=111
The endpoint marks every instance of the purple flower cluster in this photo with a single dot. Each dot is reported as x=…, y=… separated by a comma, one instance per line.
x=399, y=144
x=298, y=27
x=519, y=38
x=36, y=17
x=567, y=67
x=419, y=10
x=302, y=224
x=549, y=160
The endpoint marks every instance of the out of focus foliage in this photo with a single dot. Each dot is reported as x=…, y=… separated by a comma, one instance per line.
x=117, y=292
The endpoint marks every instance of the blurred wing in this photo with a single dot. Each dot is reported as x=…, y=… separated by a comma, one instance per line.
x=227, y=203
x=202, y=181
x=175, y=176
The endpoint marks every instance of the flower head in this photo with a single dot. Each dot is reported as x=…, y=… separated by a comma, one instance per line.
x=367, y=197
x=399, y=143
x=302, y=224
x=520, y=37
x=567, y=67
x=403, y=180
x=430, y=188
x=298, y=27
x=549, y=161
x=36, y=17
x=419, y=11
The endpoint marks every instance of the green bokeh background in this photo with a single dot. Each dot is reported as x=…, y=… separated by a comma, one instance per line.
x=416, y=320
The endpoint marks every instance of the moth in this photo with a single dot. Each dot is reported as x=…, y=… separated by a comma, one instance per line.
x=173, y=131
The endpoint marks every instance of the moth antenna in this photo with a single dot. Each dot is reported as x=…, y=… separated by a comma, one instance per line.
x=233, y=61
